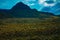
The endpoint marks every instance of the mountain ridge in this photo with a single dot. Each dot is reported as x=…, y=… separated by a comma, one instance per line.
x=21, y=10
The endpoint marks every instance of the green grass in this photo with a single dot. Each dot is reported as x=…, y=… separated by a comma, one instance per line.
x=30, y=29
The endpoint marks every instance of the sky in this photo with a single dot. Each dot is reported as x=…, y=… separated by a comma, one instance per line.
x=40, y=5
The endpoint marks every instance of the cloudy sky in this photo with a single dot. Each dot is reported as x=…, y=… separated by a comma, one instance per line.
x=34, y=4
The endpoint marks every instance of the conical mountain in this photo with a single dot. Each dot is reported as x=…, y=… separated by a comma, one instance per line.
x=20, y=6
x=21, y=10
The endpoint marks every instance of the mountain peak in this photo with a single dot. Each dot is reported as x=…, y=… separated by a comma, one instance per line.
x=21, y=6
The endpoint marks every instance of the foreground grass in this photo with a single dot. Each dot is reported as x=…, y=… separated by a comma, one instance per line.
x=30, y=29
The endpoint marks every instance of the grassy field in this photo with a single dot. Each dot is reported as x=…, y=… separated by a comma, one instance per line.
x=30, y=29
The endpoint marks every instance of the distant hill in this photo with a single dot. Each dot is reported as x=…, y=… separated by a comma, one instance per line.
x=4, y=13
x=21, y=10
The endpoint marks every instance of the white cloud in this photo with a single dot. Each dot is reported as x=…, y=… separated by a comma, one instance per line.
x=45, y=4
x=29, y=0
x=41, y=1
x=31, y=4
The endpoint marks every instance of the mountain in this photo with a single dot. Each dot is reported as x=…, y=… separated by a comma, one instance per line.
x=21, y=10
